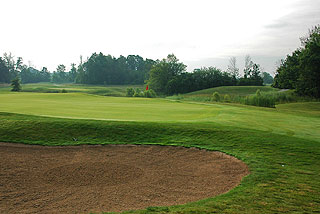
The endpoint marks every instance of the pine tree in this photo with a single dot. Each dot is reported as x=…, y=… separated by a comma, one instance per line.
x=15, y=83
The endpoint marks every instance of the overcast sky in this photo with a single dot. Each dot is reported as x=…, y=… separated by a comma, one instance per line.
x=199, y=32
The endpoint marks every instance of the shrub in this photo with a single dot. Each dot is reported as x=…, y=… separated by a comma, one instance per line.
x=15, y=83
x=227, y=98
x=149, y=93
x=130, y=92
x=138, y=93
x=260, y=100
x=64, y=91
x=216, y=96
x=258, y=93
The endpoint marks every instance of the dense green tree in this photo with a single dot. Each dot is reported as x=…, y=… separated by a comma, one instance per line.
x=14, y=66
x=288, y=71
x=60, y=76
x=28, y=75
x=309, y=76
x=4, y=72
x=102, y=69
x=45, y=75
x=252, y=73
x=72, y=73
x=130, y=92
x=81, y=74
x=301, y=70
x=267, y=78
x=185, y=82
x=163, y=72
x=15, y=83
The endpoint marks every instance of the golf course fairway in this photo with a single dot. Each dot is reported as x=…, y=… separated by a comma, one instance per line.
x=281, y=145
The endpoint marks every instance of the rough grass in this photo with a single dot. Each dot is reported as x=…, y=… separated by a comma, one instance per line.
x=233, y=90
x=110, y=90
x=245, y=95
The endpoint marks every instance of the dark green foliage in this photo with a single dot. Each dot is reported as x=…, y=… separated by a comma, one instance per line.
x=60, y=76
x=72, y=73
x=130, y=92
x=32, y=75
x=64, y=91
x=150, y=93
x=138, y=93
x=108, y=70
x=267, y=78
x=168, y=77
x=252, y=75
x=309, y=79
x=4, y=72
x=27, y=74
x=163, y=75
x=301, y=70
x=14, y=66
x=288, y=72
x=227, y=98
x=258, y=92
x=260, y=100
x=15, y=83
x=216, y=96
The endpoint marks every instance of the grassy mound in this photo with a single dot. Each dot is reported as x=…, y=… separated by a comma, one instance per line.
x=112, y=90
x=263, y=96
x=284, y=168
x=233, y=90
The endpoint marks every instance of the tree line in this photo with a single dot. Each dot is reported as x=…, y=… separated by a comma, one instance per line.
x=167, y=76
x=301, y=69
x=97, y=69
x=101, y=69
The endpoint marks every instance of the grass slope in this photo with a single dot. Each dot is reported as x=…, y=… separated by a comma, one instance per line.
x=112, y=90
x=84, y=106
x=232, y=90
x=281, y=146
x=284, y=169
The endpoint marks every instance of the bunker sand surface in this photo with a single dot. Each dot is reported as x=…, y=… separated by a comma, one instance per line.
x=96, y=178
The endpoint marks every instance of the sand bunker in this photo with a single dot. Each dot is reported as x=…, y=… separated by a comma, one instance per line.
x=83, y=179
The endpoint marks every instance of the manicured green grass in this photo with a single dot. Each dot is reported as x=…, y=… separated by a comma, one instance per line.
x=281, y=146
x=84, y=106
x=284, y=169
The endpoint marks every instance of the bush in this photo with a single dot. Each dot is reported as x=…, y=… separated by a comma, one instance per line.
x=15, y=83
x=216, y=97
x=260, y=100
x=138, y=93
x=258, y=93
x=130, y=92
x=227, y=98
x=149, y=93
x=64, y=91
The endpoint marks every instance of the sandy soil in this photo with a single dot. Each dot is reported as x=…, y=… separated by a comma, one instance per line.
x=83, y=179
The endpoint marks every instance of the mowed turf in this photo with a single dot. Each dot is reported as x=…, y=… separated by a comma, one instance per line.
x=289, y=119
x=281, y=146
